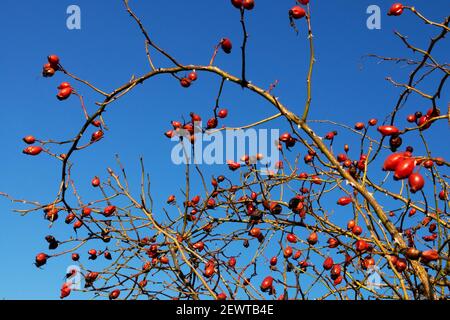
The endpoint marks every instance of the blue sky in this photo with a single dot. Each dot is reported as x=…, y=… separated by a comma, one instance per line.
x=109, y=49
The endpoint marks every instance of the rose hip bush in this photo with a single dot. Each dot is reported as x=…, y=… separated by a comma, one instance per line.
x=258, y=236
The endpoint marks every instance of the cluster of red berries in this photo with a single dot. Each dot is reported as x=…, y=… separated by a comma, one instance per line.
x=187, y=81
x=31, y=150
x=423, y=120
x=49, y=69
x=189, y=129
x=64, y=91
x=403, y=165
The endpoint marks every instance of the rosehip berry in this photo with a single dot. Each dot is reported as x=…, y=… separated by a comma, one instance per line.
x=109, y=210
x=223, y=113
x=396, y=9
x=114, y=294
x=32, y=150
x=86, y=211
x=404, y=169
x=192, y=76
x=255, y=232
x=359, y=126
x=64, y=93
x=388, y=130
x=248, y=4
x=297, y=12
x=267, y=283
x=343, y=201
x=29, y=139
x=328, y=263
x=53, y=59
x=97, y=135
x=226, y=45
x=95, y=182
x=185, y=82
x=237, y=3
x=416, y=182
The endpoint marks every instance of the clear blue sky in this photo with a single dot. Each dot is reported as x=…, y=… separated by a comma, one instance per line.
x=109, y=49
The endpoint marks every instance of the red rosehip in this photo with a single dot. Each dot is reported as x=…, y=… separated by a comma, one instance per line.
x=273, y=261
x=64, y=85
x=332, y=243
x=401, y=265
x=267, y=283
x=430, y=255
x=212, y=123
x=312, y=238
x=95, y=182
x=65, y=290
x=416, y=182
x=221, y=296
x=428, y=164
x=169, y=134
x=32, y=150
x=64, y=93
x=48, y=71
x=109, y=210
x=255, y=232
x=411, y=118
x=232, y=262
x=404, y=169
x=53, y=59
x=237, y=3
x=195, y=117
x=396, y=9
x=248, y=4
x=292, y=238
x=222, y=113
x=41, y=259
x=287, y=252
x=29, y=139
x=75, y=256
x=195, y=200
x=192, y=76
x=343, y=201
x=361, y=245
x=170, y=199
x=199, y=246
x=185, y=82
x=359, y=126
x=393, y=160
x=97, y=135
x=226, y=45
x=297, y=12
x=388, y=130
x=114, y=294
x=211, y=203
x=328, y=263
x=357, y=230
x=335, y=270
